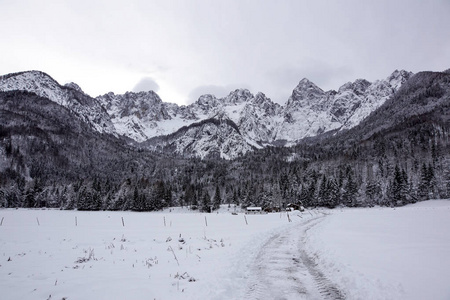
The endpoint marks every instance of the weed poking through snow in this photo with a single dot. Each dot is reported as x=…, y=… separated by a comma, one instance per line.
x=90, y=255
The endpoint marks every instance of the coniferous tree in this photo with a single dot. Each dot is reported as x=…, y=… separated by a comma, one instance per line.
x=405, y=189
x=333, y=196
x=217, y=199
x=168, y=198
x=96, y=195
x=423, y=190
x=396, y=196
x=85, y=199
x=432, y=181
x=195, y=199
x=303, y=195
x=311, y=199
x=350, y=191
x=138, y=201
x=189, y=194
x=235, y=198
x=248, y=196
x=427, y=182
x=206, y=202
x=322, y=196
x=29, y=198
x=373, y=191
x=160, y=192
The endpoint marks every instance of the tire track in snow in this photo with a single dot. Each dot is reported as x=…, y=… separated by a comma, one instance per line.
x=283, y=270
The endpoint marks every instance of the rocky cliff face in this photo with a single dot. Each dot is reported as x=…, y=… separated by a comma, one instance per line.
x=218, y=137
x=136, y=115
x=311, y=111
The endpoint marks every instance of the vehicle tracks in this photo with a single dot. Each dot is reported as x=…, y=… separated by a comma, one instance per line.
x=283, y=270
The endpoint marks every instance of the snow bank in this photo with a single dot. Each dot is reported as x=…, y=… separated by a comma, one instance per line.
x=386, y=253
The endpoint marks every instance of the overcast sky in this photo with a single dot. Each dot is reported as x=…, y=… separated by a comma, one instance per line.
x=182, y=49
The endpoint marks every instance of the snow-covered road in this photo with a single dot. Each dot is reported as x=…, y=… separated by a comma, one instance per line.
x=284, y=270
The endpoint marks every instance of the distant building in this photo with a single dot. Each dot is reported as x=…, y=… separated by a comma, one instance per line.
x=293, y=206
x=255, y=210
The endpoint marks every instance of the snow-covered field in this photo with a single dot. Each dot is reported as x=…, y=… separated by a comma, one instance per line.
x=378, y=253
x=386, y=253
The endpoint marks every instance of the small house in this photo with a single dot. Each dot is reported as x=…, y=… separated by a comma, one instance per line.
x=255, y=210
x=293, y=206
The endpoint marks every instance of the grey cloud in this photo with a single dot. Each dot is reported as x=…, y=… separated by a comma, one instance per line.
x=146, y=84
x=270, y=45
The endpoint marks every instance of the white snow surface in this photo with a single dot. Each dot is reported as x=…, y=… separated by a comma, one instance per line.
x=376, y=253
x=387, y=253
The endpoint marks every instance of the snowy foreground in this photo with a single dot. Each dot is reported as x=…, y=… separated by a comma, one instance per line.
x=377, y=253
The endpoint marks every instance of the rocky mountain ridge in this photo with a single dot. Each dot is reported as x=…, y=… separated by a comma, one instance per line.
x=70, y=96
x=186, y=130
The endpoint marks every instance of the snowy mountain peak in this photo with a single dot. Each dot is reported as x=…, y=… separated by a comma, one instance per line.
x=305, y=93
x=397, y=78
x=306, y=85
x=238, y=96
x=33, y=81
x=359, y=86
x=40, y=83
x=74, y=86
x=207, y=99
x=260, y=98
x=136, y=115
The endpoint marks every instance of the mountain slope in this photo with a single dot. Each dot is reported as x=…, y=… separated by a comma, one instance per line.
x=211, y=138
x=417, y=114
x=70, y=96
x=49, y=141
x=311, y=111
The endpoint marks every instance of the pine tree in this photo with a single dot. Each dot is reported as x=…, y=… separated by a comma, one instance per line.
x=96, y=195
x=333, y=197
x=159, y=195
x=217, y=199
x=350, y=191
x=248, y=196
x=405, y=188
x=85, y=200
x=311, y=199
x=29, y=198
x=303, y=196
x=396, y=187
x=168, y=196
x=195, y=198
x=235, y=198
x=423, y=189
x=431, y=181
x=189, y=194
x=427, y=182
x=373, y=191
x=206, y=202
x=323, y=193
x=138, y=201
